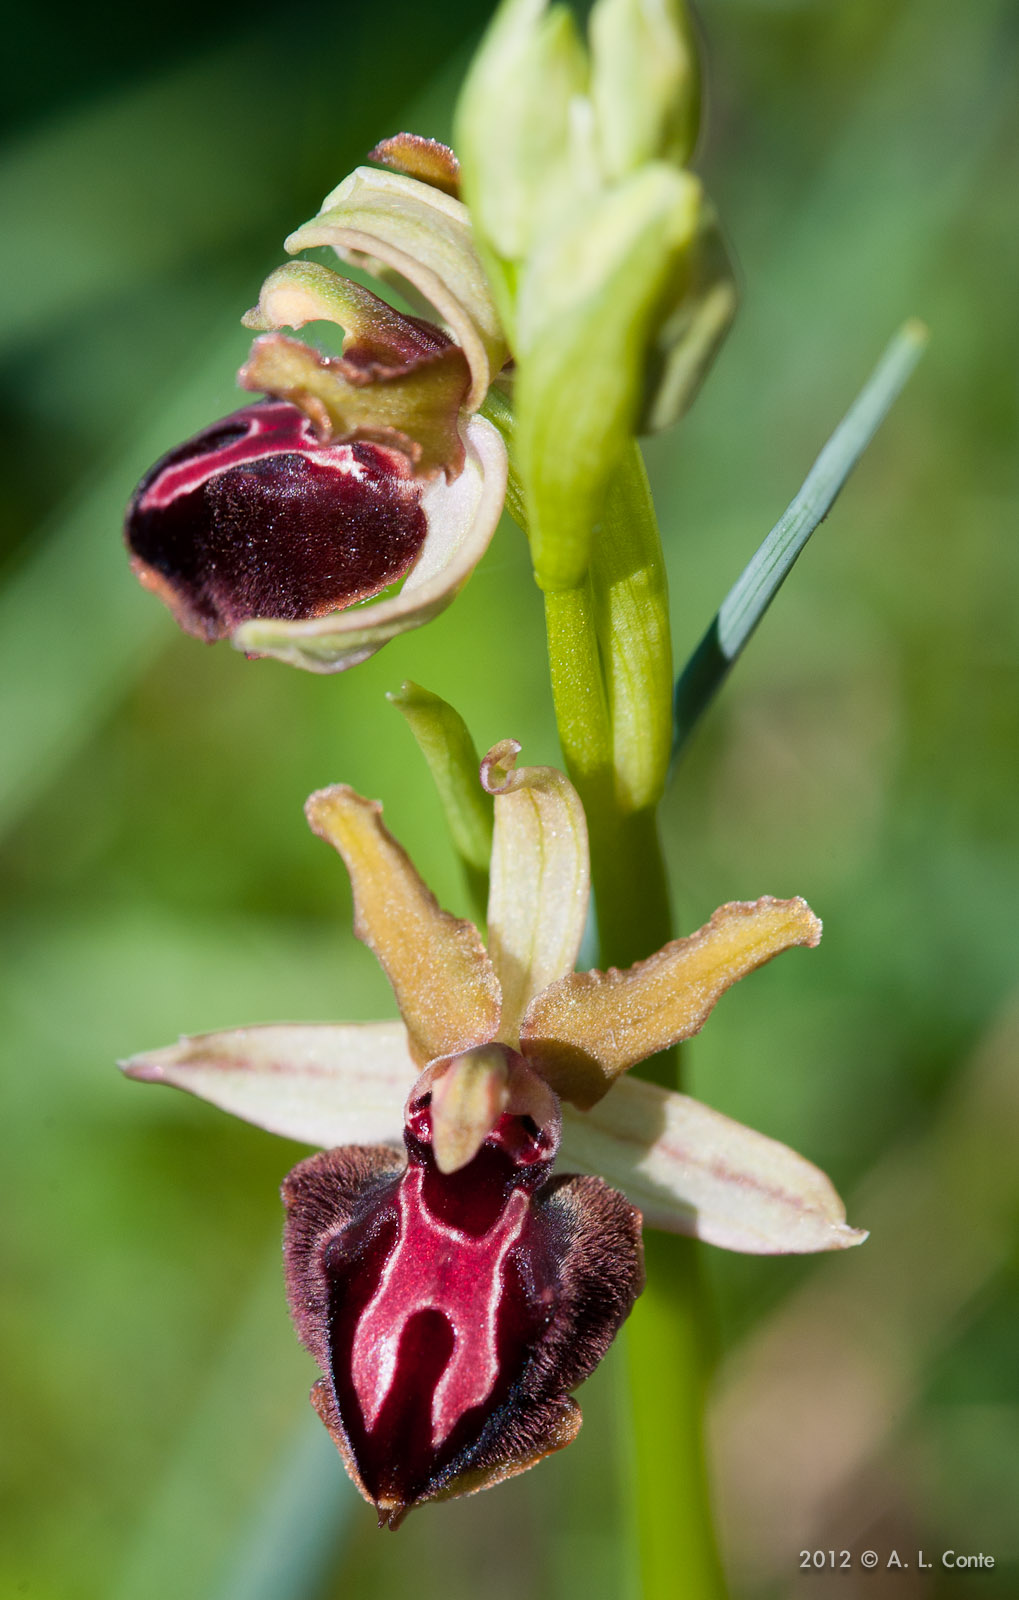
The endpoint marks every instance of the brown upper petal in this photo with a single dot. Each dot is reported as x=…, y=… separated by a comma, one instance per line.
x=583, y=1031
x=444, y=983
x=424, y=159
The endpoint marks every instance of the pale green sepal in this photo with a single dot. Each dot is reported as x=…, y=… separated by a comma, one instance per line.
x=540, y=880
x=517, y=132
x=425, y=236
x=692, y=1170
x=645, y=83
x=694, y=321
x=587, y=314
x=462, y=517
x=323, y=1084
x=446, y=744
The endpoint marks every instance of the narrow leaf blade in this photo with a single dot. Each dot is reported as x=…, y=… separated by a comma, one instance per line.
x=763, y=576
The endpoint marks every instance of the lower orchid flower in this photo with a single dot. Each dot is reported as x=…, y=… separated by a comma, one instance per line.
x=452, y=1287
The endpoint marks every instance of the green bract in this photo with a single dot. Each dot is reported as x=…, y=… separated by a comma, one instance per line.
x=586, y=320
x=644, y=83
x=518, y=127
x=446, y=744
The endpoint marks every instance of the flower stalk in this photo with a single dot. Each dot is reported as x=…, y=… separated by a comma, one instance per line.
x=610, y=660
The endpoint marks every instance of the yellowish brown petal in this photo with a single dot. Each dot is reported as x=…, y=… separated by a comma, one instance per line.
x=583, y=1031
x=540, y=879
x=415, y=412
x=444, y=983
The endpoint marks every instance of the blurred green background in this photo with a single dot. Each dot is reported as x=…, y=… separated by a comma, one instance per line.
x=158, y=877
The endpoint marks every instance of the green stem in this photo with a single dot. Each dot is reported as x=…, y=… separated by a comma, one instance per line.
x=611, y=682
x=667, y=1353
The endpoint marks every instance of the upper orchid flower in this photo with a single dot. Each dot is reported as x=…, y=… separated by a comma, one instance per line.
x=454, y=1295
x=361, y=469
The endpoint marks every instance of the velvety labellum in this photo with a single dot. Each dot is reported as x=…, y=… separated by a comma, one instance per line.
x=452, y=1314
x=256, y=517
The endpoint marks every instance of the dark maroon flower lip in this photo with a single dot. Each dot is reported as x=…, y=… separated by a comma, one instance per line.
x=451, y=1315
x=256, y=517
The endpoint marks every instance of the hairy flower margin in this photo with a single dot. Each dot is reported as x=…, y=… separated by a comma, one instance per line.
x=455, y=1294
x=357, y=471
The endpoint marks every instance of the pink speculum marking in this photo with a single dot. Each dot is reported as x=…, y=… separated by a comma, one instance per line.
x=425, y=1272
x=436, y=1299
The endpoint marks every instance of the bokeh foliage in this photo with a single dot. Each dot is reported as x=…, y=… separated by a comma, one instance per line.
x=157, y=875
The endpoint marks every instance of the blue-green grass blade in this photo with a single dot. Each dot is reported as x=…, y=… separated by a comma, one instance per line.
x=763, y=576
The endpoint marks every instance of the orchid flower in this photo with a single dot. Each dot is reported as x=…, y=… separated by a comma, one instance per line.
x=454, y=1291
x=359, y=470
